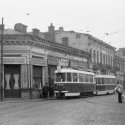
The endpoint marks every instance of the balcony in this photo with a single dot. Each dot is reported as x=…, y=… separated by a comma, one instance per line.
x=100, y=66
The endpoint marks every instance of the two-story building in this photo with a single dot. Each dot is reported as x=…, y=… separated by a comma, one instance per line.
x=29, y=61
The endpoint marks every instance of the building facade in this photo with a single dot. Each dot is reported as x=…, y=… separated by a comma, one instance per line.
x=29, y=61
x=119, y=64
x=102, y=54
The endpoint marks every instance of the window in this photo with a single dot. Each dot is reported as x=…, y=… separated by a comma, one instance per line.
x=99, y=81
x=75, y=77
x=101, y=58
x=65, y=41
x=81, y=77
x=106, y=81
x=60, y=77
x=69, y=78
x=94, y=56
x=91, y=78
x=104, y=59
x=102, y=80
x=86, y=78
x=77, y=35
x=97, y=57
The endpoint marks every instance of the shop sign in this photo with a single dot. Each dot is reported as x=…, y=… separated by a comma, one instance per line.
x=82, y=65
x=74, y=64
x=63, y=62
x=14, y=60
x=52, y=60
x=40, y=62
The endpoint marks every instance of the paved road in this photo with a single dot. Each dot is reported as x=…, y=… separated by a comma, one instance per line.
x=98, y=110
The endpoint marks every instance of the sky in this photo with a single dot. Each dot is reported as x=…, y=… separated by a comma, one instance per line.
x=104, y=19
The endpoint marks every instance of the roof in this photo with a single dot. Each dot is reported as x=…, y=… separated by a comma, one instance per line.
x=64, y=70
x=104, y=76
x=10, y=31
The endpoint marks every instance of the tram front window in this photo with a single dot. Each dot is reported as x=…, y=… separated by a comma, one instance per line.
x=60, y=77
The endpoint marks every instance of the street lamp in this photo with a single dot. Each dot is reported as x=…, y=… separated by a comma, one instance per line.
x=1, y=76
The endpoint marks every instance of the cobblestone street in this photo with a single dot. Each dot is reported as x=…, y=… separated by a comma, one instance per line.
x=98, y=110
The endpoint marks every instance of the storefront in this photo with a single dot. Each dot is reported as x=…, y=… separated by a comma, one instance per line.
x=12, y=76
x=12, y=82
x=52, y=66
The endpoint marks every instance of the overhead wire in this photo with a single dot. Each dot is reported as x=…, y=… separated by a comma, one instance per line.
x=92, y=18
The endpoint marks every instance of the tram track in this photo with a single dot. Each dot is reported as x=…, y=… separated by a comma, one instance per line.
x=104, y=104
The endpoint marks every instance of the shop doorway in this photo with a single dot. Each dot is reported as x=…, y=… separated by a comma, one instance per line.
x=12, y=82
x=51, y=70
x=37, y=77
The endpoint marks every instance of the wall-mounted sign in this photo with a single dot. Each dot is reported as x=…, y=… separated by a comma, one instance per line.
x=14, y=60
x=74, y=64
x=63, y=62
x=52, y=60
x=40, y=62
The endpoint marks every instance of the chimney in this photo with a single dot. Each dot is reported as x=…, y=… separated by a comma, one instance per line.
x=51, y=28
x=1, y=26
x=60, y=28
x=36, y=32
x=20, y=28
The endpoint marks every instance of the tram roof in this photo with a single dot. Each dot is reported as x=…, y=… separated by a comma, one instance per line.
x=104, y=76
x=64, y=70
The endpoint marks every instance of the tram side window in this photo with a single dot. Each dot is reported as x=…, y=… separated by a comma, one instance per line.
x=103, y=80
x=99, y=81
x=81, y=77
x=106, y=81
x=91, y=78
x=60, y=77
x=75, y=78
x=111, y=81
x=86, y=78
x=69, y=78
x=96, y=80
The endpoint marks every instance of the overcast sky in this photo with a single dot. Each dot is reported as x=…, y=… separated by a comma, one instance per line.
x=96, y=16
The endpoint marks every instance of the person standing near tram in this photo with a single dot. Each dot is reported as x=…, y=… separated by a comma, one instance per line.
x=119, y=90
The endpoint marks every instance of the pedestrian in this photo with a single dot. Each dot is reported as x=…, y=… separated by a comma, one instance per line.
x=45, y=90
x=51, y=87
x=40, y=91
x=51, y=91
x=119, y=90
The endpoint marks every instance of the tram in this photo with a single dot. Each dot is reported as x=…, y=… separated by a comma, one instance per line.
x=70, y=82
x=105, y=84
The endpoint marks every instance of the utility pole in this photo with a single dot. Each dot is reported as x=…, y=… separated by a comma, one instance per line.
x=1, y=83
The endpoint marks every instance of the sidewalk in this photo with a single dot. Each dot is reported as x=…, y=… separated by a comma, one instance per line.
x=20, y=100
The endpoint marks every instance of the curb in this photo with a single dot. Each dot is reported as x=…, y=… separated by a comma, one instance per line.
x=26, y=100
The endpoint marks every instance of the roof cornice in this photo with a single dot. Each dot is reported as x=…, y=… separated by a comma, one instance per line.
x=27, y=39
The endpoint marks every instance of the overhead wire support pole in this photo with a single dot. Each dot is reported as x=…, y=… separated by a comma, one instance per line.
x=1, y=83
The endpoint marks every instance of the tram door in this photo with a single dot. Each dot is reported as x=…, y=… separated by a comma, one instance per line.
x=12, y=85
